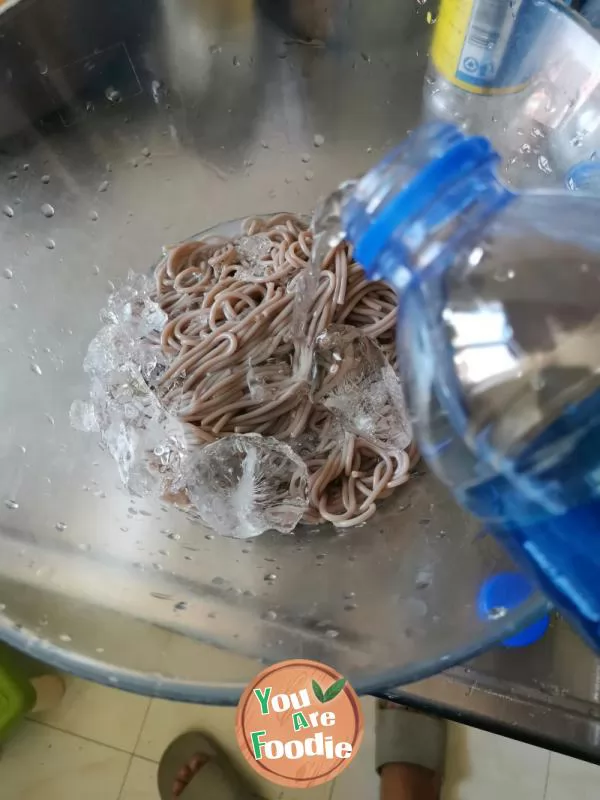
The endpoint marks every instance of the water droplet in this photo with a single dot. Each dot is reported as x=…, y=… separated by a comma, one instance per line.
x=47, y=210
x=544, y=165
x=12, y=176
x=525, y=148
x=214, y=49
x=270, y=577
x=12, y=505
x=8, y=273
x=45, y=179
x=146, y=152
x=112, y=95
x=577, y=140
x=8, y=211
x=504, y=274
x=332, y=633
x=103, y=186
x=64, y=637
x=269, y=615
x=497, y=612
x=96, y=270
x=50, y=419
x=25, y=167
x=93, y=215
x=366, y=57
x=236, y=61
x=61, y=526
x=181, y=606
x=305, y=157
x=318, y=140
x=350, y=606
x=416, y=607
x=264, y=144
x=36, y=368
x=42, y=67
x=209, y=536
x=423, y=579
x=431, y=19
x=218, y=581
x=309, y=175
x=50, y=244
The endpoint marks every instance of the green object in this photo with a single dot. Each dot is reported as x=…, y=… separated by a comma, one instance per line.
x=17, y=695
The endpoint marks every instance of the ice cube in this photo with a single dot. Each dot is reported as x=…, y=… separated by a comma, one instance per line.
x=254, y=251
x=356, y=382
x=253, y=247
x=245, y=484
x=132, y=306
x=83, y=416
x=144, y=439
x=112, y=346
x=131, y=333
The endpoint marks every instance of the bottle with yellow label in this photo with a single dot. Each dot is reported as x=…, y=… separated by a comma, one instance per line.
x=482, y=49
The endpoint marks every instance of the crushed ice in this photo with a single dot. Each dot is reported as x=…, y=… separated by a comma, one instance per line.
x=123, y=361
x=255, y=251
x=356, y=382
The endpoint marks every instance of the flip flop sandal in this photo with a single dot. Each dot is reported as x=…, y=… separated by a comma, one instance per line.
x=216, y=779
x=405, y=736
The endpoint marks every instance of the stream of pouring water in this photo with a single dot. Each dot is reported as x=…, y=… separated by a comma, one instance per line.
x=328, y=232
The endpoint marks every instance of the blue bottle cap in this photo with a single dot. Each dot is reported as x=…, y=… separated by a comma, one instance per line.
x=508, y=590
x=406, y=182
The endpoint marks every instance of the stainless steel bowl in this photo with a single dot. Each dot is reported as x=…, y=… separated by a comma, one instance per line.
x=144, y=122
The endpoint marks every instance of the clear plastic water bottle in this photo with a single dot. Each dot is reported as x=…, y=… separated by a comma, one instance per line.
x=499, y=321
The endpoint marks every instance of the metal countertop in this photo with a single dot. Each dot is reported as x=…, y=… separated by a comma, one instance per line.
x=546, y=694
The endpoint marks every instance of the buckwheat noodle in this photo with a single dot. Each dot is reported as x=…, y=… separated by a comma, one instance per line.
x=233, y=362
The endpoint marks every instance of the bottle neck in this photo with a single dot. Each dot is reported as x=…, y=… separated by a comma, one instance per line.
x=431, y=195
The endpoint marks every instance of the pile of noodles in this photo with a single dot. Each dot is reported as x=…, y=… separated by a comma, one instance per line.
x=233, y=362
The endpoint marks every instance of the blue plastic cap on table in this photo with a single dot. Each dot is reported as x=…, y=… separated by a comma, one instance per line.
x=507, y=590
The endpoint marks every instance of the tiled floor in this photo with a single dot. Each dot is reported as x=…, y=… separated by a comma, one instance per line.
x=103, y=744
